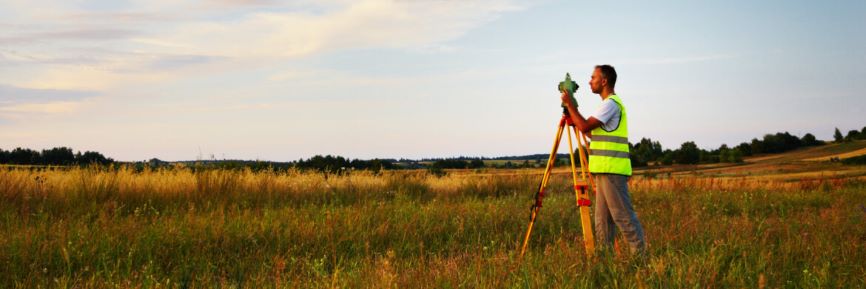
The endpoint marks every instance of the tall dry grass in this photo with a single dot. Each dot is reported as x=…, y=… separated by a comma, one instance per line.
x=186, y=228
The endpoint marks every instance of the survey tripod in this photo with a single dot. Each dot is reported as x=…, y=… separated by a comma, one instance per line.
x=582, y=186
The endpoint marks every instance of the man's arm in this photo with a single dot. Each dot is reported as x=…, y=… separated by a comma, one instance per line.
x=584, y=125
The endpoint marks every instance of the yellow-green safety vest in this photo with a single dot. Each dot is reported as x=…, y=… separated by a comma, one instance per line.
x=608, y=150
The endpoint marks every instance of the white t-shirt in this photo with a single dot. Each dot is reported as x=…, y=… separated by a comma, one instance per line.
x=608, y=114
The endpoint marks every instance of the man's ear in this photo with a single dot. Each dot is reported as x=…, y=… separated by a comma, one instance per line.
x=603, y=82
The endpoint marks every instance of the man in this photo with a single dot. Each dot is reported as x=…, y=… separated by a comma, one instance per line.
x=609, y=161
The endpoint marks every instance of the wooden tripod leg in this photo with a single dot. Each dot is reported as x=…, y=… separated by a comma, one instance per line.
x=580, y=194
x=539, y=195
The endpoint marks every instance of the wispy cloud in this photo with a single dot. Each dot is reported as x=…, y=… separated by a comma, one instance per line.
x=48, y=107
x=11, y=95
x=361, y=24
x=66, y=35
x=18, y=102
x=678, y=59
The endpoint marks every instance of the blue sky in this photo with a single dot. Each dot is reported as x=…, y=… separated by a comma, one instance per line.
x=248, y=79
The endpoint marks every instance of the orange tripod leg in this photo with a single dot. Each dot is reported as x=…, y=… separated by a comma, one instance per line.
x=584, y=151
x=580, y=194
x=536, y=208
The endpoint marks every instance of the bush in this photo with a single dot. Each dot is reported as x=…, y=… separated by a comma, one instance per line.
x=436, y=171
x=668, y=158
x=858, y=160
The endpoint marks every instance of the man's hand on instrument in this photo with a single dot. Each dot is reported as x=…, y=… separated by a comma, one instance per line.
x=568, y=100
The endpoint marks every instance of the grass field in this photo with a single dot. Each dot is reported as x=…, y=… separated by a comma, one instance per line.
x=742, y=226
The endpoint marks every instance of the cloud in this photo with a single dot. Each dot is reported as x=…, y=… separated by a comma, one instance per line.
x=18, y=103
x=80, y=46
x=680, y=59
x=244, y=2
x=85, y=35
x=30, y=58
x=160, y=62
x=55, y=61
x=45, y=108
x=354, y=25
x=119, y=17
x=106, y=59
x=11, y=95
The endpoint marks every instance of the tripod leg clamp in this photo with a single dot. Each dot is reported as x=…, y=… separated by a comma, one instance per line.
x=584, y=202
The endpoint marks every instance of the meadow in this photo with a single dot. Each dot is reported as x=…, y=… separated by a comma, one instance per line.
x=183, y=228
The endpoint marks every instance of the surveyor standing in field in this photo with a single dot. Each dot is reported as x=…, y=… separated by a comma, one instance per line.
x=609, y=162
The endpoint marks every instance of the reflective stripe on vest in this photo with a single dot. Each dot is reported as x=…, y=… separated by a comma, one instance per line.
x=608, y=150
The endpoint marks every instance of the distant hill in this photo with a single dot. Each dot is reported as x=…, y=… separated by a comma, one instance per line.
x=829, y=160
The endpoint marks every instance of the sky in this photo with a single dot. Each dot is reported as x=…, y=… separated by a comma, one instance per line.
x=284, y=80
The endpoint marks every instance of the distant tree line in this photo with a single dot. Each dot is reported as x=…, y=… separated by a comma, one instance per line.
x=648, y=151
x=328, y=164
x=255, y=166
x=643, y=153
x=851, y=136
x=458, y=164
x=459, y=158
x=61, y=156
x=336, y=164
x=529, y=157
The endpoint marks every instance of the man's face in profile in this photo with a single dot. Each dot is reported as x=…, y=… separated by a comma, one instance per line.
x=596, y=83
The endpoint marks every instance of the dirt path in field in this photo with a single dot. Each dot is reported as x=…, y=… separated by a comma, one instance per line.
x=859, y=152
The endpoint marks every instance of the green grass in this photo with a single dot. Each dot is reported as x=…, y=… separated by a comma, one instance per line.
x=178, y=229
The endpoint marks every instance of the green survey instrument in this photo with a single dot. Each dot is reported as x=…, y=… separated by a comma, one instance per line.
x=570, y=87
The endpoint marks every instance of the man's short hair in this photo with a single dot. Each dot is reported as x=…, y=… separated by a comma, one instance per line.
x=608, y=73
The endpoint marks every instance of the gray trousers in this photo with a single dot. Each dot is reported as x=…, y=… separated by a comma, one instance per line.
x=613, y=209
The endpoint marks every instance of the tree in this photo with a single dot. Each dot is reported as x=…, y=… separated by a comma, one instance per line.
x=90, y=157
x=724, y=153
x=837, y=136
x=452, y=164
x=756, y=146
x=707, y=157
x=688, y=153
x=636, y=160
x=645, y=151
x=809, y=140
x=324, y=164
x=745, y=149
x=58, y=156
x=667, y=158
x=779, y=142
x=853, y=135
x=735, y=156
x=24, y=156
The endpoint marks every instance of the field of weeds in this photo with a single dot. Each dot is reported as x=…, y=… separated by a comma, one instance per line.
x=179, y=228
